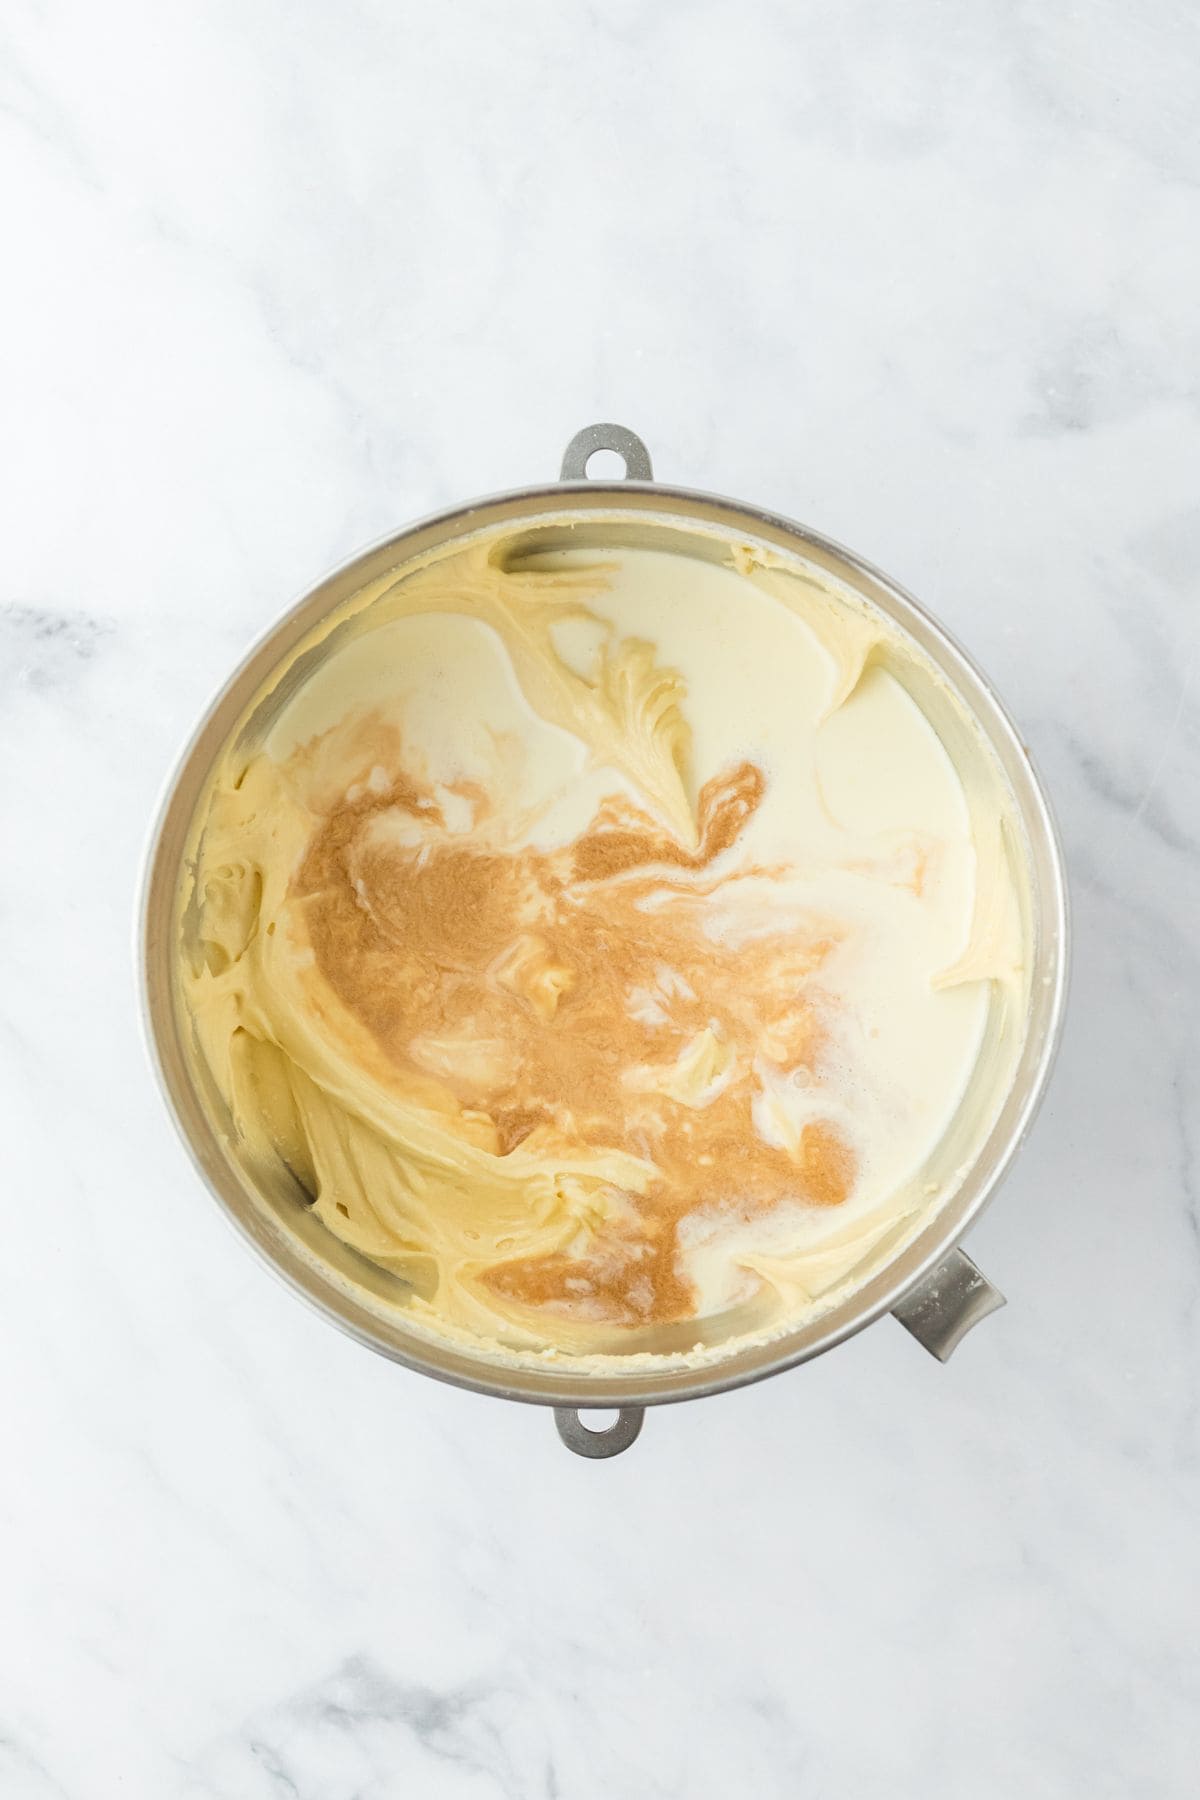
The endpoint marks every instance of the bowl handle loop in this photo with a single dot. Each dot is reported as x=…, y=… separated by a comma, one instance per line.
x=627, y=444
x=941, y=1309
x=585, y=1442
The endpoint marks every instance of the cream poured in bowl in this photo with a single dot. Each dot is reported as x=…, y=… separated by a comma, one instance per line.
x=607, y=940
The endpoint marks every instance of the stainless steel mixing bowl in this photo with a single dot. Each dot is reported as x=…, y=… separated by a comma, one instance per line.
x=931, y=1286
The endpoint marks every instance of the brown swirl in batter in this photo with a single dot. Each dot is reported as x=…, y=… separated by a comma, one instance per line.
x=574, y=997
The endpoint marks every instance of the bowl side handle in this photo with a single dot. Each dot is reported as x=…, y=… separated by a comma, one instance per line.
x=609, y=1441
x=627, y=444
x=941, y=1309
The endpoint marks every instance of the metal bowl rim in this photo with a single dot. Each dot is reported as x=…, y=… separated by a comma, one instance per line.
x=603, y=1391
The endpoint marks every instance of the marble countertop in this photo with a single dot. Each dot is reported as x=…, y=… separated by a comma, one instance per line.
x=280, y=278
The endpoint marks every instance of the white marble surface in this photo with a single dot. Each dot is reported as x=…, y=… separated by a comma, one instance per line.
x=278, y=278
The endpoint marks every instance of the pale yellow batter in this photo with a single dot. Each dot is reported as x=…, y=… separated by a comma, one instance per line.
x=605, y=942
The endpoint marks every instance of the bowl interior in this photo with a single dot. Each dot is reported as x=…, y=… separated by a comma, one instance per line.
x=266, y=1204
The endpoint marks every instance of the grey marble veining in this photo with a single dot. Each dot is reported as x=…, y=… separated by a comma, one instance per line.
x=281, y=277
